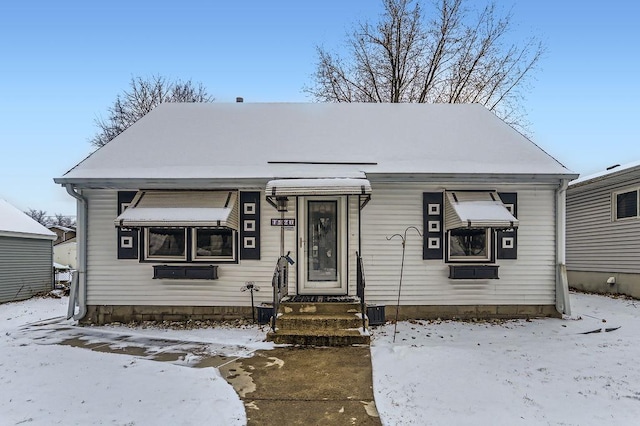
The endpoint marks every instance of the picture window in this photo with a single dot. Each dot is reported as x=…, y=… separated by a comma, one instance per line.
x=213, y=243
x=166, y=243
x=207, y=244
x=469, y=244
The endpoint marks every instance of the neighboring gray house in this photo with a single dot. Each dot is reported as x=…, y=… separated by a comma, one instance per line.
x=26, y=255
x=194, y=201
x=603, y=231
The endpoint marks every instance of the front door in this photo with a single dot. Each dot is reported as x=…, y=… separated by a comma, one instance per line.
x=323, y=243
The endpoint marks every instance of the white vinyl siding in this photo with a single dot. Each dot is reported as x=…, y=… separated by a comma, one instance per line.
x=129, y=282
x=595, y=241
x=26, y=267
x=530, y=279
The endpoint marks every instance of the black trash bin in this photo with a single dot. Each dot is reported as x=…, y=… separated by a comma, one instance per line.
x=375, y=313
x=265, y=312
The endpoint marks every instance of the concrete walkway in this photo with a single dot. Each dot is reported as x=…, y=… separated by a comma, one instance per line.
x=283, y=386
x=306, y=386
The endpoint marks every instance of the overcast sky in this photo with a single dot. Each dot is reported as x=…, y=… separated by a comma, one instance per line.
x=64, y=62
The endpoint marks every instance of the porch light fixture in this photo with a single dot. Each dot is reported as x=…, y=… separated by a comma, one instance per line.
x=281, y=204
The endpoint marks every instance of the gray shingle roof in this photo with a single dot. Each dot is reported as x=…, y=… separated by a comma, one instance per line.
x=271, y=140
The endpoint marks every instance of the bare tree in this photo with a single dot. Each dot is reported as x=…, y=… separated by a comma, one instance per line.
x=39, y=216
x=62, y=220
x=144, y=95
x=44, y=219
x=455, y=56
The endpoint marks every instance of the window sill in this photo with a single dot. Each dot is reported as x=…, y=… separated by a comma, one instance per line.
x=209, y=272
x=473, y=272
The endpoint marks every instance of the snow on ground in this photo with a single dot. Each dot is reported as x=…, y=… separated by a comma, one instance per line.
x=45, y=384
x=456, y=373
x=513, y=373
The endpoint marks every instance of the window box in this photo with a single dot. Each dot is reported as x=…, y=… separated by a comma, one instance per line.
x=473, y=272
x=209, y=272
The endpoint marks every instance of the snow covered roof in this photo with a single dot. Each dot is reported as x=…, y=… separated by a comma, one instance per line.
x=606, y=173
x=336, y=186
x=313, y=140
x=477, y=210
x=15, y=223
x=181, y=208
x=62, y=228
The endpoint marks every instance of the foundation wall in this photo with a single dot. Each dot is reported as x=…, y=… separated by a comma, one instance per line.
x=106, y=314
x=471, y=311
x=596, y=282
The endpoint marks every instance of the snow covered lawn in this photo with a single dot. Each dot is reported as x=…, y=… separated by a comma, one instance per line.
x=454, y=373
x=45, y=384
x=516, y=372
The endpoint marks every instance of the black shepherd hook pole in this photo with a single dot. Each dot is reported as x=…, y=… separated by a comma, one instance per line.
x=404, y=242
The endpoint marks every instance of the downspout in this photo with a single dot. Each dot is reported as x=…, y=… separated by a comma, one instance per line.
x=562, y=283
x=78, y=293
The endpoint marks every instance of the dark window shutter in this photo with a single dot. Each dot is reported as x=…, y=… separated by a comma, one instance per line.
x=250, y=225
x=433, y=225
x=508, y=239
x=128, y=239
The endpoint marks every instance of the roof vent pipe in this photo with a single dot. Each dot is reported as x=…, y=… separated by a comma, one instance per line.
x=239, y=100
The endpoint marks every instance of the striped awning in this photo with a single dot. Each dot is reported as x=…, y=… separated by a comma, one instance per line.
x=181, y=209
x=321, y=186
x=477, y=209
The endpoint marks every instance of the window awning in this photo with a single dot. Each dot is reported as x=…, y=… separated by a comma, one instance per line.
x=322, y=186
x=477, y=209
x=181, y=209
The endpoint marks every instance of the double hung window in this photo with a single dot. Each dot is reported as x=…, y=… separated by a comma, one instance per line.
x=625, y=204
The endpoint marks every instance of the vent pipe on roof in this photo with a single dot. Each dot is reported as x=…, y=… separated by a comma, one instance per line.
x=613, y=167
x=239, y=100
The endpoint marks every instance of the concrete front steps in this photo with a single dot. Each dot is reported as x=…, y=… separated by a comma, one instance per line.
x=319, y=324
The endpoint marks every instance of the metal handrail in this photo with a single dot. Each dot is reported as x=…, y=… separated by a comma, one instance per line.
x=280, y=284
x=360, y=285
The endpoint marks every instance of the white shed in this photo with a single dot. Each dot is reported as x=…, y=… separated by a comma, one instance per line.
x=26, y=255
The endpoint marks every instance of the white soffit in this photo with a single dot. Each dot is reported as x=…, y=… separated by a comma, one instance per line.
x=477, y=209
x=181, y=208
x=300, y=187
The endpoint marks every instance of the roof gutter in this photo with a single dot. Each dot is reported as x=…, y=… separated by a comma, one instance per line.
x=78, y=293
x=562, y=283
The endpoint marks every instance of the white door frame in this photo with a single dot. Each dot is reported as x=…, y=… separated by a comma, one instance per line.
x=311, y=287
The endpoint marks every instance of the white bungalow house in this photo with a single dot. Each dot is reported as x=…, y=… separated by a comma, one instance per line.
x=196, y=201
x=603, y=231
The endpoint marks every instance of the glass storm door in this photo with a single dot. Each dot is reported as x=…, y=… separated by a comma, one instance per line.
x=323, y=240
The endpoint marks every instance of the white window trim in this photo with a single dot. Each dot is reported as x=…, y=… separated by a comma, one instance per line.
x=167, y=258
x=486, y=258
x=614, y=204
x=194, y=249
x=194, y=258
